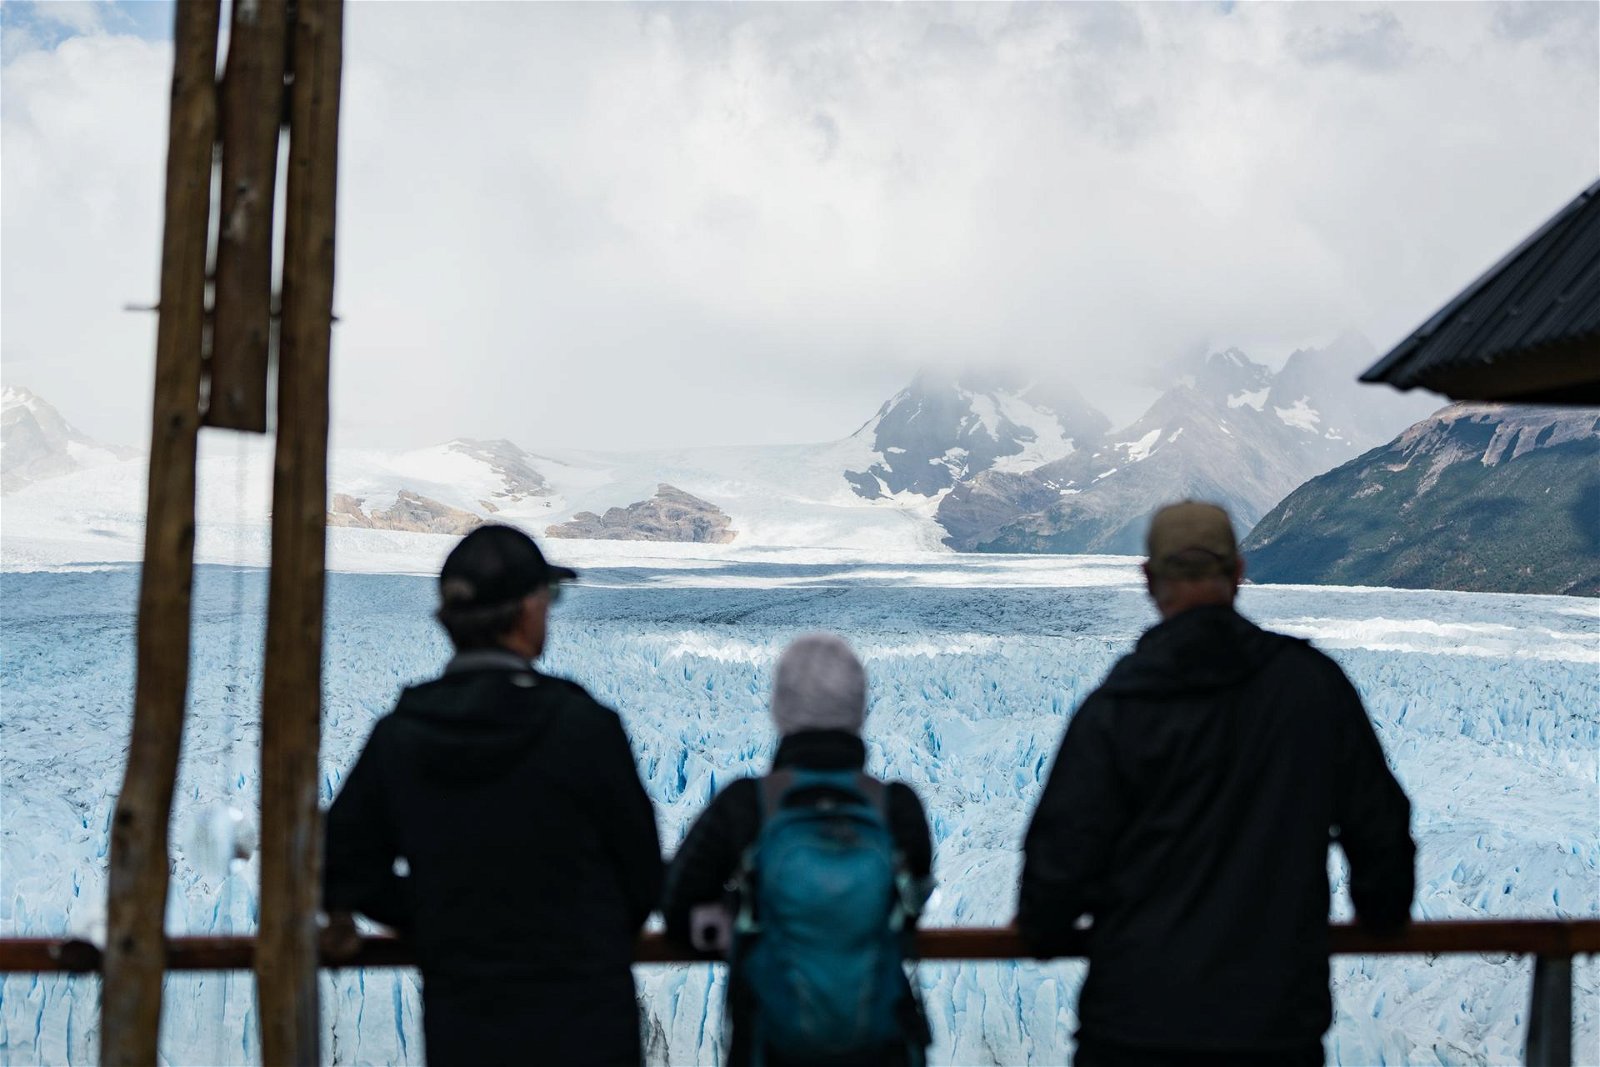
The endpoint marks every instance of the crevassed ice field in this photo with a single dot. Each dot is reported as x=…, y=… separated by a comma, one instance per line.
x=1488, y=706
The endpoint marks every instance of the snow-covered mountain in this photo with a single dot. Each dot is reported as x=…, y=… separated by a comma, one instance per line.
x=36, y=442
x=940, y=431
x=1318, y=390
x=1477, y=497
x=970, y=462
x=399, y=510
x=1227, y=429
x=873, y=492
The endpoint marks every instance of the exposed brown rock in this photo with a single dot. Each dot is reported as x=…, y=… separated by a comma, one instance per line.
x=518, y=477
x=410, y=512
x=670, y=515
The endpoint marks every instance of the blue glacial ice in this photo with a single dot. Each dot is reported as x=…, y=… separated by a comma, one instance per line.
x=1489, y=708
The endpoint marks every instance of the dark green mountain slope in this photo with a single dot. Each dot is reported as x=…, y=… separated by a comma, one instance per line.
x=1476, y=497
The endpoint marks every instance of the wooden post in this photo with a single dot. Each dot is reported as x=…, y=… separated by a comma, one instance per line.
x=291, y=845
x=130, y=1007
x=252, y=108
x=1549, y=1042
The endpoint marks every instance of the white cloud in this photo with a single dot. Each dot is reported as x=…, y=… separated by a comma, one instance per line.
x=75, y=16
x=606, y=225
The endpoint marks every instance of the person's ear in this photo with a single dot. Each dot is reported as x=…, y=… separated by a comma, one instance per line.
x=1149, y=579
x=1238, y=572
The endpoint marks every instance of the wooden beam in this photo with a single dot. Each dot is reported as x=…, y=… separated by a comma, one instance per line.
x=1554, y=938
x=251, y=111
x=130, y=1007
x=291, y=845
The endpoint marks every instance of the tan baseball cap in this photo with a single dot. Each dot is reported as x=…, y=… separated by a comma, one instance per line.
x=1192, y=539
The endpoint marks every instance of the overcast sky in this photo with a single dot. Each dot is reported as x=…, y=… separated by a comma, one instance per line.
x=638, y=226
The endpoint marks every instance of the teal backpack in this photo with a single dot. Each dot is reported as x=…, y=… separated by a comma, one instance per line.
x=822, y=934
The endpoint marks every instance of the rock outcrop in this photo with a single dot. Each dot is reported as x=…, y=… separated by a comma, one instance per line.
x=670, y=515
x=410, y=512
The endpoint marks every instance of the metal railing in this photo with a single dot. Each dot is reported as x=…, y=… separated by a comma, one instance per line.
x=1552, y=943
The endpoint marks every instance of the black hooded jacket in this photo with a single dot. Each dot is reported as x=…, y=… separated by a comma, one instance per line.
x=1189, y=813
x=514, y=800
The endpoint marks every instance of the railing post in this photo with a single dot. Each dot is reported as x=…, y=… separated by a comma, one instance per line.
x=1550, y=1013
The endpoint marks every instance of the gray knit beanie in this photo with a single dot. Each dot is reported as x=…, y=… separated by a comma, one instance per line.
x=819, y=685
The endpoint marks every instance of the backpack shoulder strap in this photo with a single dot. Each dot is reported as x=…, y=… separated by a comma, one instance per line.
x=876, y=793
x=770, y=792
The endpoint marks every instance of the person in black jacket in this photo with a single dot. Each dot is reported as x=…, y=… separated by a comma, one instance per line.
x=497, y=820
x=1189, y=814
x=818, y=705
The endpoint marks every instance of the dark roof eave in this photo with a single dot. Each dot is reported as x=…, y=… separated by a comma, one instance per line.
x=1561, y=372
x=1389, y=369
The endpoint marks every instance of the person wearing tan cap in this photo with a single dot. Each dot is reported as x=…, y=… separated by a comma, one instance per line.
x=1188, y=817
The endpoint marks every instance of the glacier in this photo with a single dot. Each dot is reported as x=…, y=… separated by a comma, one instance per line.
x=1488, y=707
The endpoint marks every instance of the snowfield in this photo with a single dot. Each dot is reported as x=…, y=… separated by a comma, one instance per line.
x=97, y=514
x=1488, y=706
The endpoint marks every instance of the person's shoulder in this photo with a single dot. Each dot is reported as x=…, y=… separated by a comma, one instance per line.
x=382, y=728
x=575, y=713
x=1098, y=708
x=1314, y=669
x=904, y=802
x=738, y=800
x=1125, y=674
x=901, y=793
x=1298, y=653
x=571, y=696
x=739, y=791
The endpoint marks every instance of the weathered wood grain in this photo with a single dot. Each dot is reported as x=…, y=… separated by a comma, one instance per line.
x=137, y=883
x=251, y=111
x=291, y=846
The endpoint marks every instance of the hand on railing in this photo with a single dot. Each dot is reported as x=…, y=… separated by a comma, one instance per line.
x=340, y=940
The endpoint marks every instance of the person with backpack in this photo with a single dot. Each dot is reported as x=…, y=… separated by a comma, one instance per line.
x=811, y=879
x=1189, y=815
x=497, y=820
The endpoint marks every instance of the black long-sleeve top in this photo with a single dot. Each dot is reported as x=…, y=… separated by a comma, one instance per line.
x=529, y=844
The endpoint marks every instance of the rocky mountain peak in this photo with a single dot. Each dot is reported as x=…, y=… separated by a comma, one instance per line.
x=1318, y=391
x=943, y=429
x=1226, y=429
x=36, y=442
x=520, y=478
x=1227, y=377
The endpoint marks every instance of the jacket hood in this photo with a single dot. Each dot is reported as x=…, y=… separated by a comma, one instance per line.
x=1201, y=649
x=822, y=750
x=475, y=724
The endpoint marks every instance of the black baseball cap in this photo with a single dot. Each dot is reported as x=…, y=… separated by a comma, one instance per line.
x=495, y=565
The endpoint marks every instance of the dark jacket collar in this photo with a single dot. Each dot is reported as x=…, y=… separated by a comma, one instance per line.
x=1212, y=647
x=486, y=659
x=823, y=750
